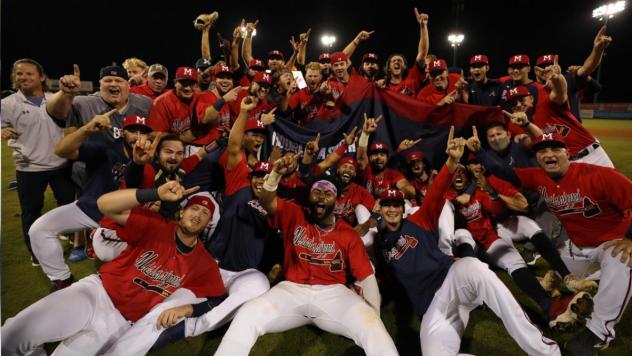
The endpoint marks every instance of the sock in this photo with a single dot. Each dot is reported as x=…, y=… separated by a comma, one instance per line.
x=526, y=281
x=464, y=250
x=549, y=252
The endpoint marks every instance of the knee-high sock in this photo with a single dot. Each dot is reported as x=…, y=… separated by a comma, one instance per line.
x=526, y=281
x=549, y=252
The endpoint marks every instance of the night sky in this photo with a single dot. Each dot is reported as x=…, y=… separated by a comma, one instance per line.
x=93, y=34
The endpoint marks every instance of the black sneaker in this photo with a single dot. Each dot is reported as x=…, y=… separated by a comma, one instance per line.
x=34, y=261
x=13, y=185
x=585, y=344
x=61, y=283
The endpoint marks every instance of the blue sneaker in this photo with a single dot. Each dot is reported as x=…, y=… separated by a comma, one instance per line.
x=13, y=185
x=77, y=254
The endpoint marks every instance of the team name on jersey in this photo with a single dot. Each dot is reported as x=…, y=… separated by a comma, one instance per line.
x=401, y=246
x=471, y=212
x=181, y=125
x=315, y=247
x=570, y=203
x=257, y=206
x=146, y=265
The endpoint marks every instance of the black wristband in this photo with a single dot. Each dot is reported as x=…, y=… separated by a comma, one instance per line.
x=147, y=195
x=219, y=104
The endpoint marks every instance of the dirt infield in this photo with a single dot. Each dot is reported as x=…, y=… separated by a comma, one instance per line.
x=611, y=132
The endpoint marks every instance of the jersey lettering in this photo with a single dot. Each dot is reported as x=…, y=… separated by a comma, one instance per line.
x=303, y=241
x=336, y=264
x=146, y=265
x=571, y=203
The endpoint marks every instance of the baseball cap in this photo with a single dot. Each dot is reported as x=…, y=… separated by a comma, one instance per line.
x=158, y=68
x=200, y=199
x=378, y=147
x=263, y=78
x=348, y=159
x=261, y=168
x=254, y=125
x=413, y=156
x=370, y=57
x=549, y=139
x=438, y=65
x=479, y=59
x=324, y=58
x=519, y=59
x=392, y=195
x=276, y=54
x=338, y=57
x=136, y=120
x=221, y=70
x=221, y=57
x=187, y=73
x=114, y=71
x=517, y=92
x=471, y=158
x=546, y=60
x=202, y=63
x=256, y=63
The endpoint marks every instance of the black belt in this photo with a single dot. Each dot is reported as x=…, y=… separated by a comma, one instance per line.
x=586, y=151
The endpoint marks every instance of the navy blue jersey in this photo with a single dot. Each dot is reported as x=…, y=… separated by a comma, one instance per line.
x=575, y=85
x=515, y=155
x=105, y=168
x=487, y=94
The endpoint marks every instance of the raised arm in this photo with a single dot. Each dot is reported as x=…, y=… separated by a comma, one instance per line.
x=211, y=114
x=521, y=119
x=302, y=47
x=424, y=40
x=361, y=37
x=58, y=106
x=268, y=196
x=68, y=147
x=335, y=156
x=492, y=166
x=246, y=49
x=556, y=81
x=234, y=48
x=369, y=127
x=236, y=135
x=600, y=44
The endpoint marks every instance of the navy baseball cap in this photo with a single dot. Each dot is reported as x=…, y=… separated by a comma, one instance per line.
x=114, y=71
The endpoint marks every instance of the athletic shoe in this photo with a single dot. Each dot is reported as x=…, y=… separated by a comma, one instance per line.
x=77, y=254
x=89, y=247
x=585, y=344
x=34, y=261
x=13, y=185
x=63, y=238
x=550, y=283
x=576, y=285
x=61, y=283
x=565, y=312
x=530, y=257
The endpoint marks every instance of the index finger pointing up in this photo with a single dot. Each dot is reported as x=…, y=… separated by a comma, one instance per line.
x=474, y=131
x=451, y=134
x=317, y=139
x=75, y=70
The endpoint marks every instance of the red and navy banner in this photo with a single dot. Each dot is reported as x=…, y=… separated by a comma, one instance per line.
x=404, y=118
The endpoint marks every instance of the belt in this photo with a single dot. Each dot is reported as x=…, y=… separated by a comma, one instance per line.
x=586, y=151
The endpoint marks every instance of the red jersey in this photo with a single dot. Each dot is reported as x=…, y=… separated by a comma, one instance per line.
x=306, y=105
x=170, y=114
x=314, y=255
x=421, y=189
x=293, y=188
x=377, y=183
x=200, y=104
x=430, y=94
x=346, y=203
x=262, y=107
x=551, y=116
x=151, y=268
x=237, y=177
x=144, y=90
x=592, y=202
x=412, y=84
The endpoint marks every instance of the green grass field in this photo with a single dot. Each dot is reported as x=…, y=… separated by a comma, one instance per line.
x=22, y=285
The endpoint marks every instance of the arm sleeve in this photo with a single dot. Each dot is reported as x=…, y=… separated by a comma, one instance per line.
x=358, y=258
x=428, y=216
x=621, y=195
x=208, y=305
x=189, y=163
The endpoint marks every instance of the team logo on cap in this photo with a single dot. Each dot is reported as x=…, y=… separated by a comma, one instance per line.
x=265, y=165
x=517, y=58
x=260, y=124
x=392, y=193
x=188, y=71
x=547, y=58
x=436, y=63
x=513, y=91
x=140, y=120
x=478, y=57
x=547, y=136
x=379, y=146
x=266, y=77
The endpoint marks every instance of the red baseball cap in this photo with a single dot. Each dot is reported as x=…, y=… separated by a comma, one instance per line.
x=378, y=147
x=517, y=92
x=471, y=158
x=348, y=159
x=263, y=77
x=370, y=57
x=262, y=167
x=256, y=63
x=254, y=125
x=324, y=58
x=200, y=199
x=136, y=120
x=520, y=59
x=187, y=73
x=392, y=195
x=548, y=139
x=546, y=60
x=338, y=57
x=277, y=54
x=437, y=65
x=222, y=69
x=479, y=59
x=413, y=156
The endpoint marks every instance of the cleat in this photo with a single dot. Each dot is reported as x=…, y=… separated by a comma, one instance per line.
x=567, y=311
x=61, y=283
x=576, y=285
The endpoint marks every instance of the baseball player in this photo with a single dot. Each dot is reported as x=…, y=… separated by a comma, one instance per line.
x=319, y=249
x=596, y=219
x=105, y=168
x=162, y=258
x=443, y=292
x=482, y=90
x=420, y=175
x=444, y=88
x=518, y=69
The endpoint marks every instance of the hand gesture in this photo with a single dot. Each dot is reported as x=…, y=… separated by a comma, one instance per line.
x=406, y=144
x=461, y=84
x=99, y=122
x=370, y=124
x=455, y=146
x=602, y=41
x=381, y=83
x=517, y=118
x=144, y=149
x=324, y=88
x=223, y=43
x=250, y=27
x=283, y=165
x=268, y=118
x=622, y=247
x=448, y=99
x=237, y=32
x=232, y=94
x=248, y=103
x=422, y=18
x=304, y=37
x=275, y=154
x=71, y=84
x=549, y=72
x=483, y=183
x=364, y=35
x=294, y=44
x=8, y=133
x=170, y=317
x=311, y=148
x=173, y=191
x=473, y=143
x=573, y=68
x=350, y=137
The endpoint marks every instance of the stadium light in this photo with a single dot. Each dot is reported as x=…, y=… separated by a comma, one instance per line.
x=244, y=32
x=608, y=11
x=455, y=40
x=328, y=40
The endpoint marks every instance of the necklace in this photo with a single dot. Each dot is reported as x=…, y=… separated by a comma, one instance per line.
x=324, y=231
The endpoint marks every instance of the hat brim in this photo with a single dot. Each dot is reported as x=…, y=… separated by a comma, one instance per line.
x=144, y=128
x=547, y=144
x=392, y=200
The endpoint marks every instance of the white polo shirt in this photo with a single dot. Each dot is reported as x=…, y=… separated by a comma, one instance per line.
x=34, y=149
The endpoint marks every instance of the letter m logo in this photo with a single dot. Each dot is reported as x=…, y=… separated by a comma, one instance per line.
x=513, y=91
x=478, y=58
x=548, y=136
x=517, y=58
x=187, y=71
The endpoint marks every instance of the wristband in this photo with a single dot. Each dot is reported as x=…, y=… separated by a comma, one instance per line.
x=364, y=140
x=219, y=104
x=272, y=180
x=147, y=195
x=341, y=149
